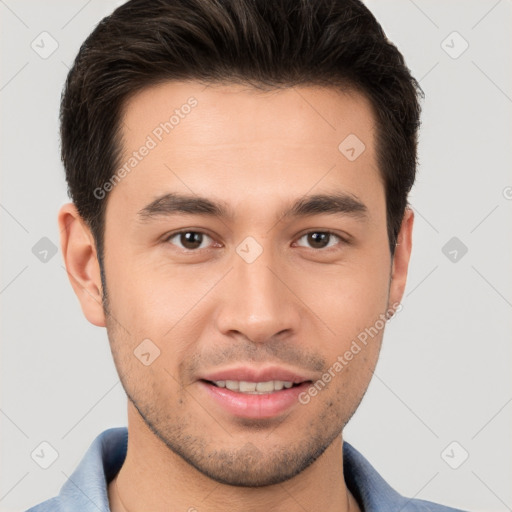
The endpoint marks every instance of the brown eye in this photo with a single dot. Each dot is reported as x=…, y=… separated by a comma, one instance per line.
x=320, y=239
x=189, y=240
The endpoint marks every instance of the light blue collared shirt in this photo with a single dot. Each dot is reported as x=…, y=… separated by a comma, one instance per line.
x=86, y=489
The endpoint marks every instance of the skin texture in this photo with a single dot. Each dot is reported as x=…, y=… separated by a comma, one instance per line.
x=294, y=306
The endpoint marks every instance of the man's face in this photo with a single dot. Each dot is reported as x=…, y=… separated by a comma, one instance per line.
x=253, y=296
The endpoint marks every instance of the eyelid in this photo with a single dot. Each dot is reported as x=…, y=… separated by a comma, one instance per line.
x=342, y=239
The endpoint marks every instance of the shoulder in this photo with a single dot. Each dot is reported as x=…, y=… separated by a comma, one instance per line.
x=51, y=505
x=86, y=489
x=373, y=493
x=412, y=505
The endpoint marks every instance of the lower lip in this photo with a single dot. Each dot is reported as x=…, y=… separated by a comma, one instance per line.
x=245, y=405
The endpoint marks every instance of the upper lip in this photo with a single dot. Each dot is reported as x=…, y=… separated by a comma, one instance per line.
x=250, y=374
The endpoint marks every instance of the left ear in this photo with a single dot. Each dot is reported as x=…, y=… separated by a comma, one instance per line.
x=401, y=258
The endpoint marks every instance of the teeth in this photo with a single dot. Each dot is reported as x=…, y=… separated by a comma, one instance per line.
x=233, y=385
x=265, y=387
x=256, y=388
x=247, y=387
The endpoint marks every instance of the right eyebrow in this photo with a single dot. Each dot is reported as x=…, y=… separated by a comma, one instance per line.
x=172, y=203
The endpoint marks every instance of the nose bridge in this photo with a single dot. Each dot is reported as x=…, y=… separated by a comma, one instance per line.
x=258, y=304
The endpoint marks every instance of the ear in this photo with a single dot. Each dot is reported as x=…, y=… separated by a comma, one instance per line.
x=80, y=257
x=401, y=258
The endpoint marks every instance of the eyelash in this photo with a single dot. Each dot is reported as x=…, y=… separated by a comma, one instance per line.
x=324, y=250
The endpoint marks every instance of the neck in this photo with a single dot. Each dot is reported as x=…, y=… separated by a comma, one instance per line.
x=154, y=478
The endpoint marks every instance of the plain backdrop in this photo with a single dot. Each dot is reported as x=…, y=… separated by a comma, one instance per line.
x=442, y=388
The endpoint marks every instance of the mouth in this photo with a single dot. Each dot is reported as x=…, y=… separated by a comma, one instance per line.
x=254, y=393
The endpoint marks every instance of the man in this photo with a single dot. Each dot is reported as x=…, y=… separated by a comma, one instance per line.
x=239, y=171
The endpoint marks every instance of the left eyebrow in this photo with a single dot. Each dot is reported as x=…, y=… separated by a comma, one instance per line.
x=334, y=204
x=318, y=204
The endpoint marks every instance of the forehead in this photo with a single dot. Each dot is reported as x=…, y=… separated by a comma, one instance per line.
x=220, y=113
x=239, y=141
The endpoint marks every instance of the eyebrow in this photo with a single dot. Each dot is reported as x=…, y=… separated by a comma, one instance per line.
x=339, y=203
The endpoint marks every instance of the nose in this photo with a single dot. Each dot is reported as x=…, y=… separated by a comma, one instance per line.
x=258, y=300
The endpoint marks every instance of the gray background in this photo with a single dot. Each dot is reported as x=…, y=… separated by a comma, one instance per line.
x=444, y=373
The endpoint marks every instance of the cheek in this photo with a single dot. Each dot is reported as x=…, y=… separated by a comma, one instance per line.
x=141, y=292
x=350, y=298
x=162, y=303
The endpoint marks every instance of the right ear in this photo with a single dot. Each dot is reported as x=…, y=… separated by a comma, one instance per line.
x=81, y=261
